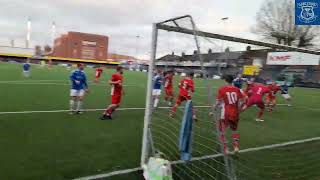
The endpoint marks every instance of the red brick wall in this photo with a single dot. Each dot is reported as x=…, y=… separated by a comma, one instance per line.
x=82, y=46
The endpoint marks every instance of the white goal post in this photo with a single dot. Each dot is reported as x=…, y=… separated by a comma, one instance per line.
x=147, y=142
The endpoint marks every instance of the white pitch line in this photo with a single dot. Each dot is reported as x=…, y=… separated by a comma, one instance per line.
x=59, y=84
x=35, y=83
x=32, y=81
x=114, y=173
x=272, y=146
x=310, y=109
x=90, y=110
x=85, y=110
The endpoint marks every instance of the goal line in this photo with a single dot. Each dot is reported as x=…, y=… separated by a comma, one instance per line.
x=272, y=146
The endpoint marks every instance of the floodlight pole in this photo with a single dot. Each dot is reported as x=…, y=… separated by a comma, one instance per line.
x=53, y=33
x=148, y=109
x=28, y=33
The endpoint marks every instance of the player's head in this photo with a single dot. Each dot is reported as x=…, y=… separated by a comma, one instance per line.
x=228, y=78
x=239, y=76
x=190, y=74
x=159, y=71
x=119, y=69
x=169, y=72
x=80, y=66
x=250, y=81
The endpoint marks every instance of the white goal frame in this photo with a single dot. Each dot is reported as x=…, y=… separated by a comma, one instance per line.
x=146, y=145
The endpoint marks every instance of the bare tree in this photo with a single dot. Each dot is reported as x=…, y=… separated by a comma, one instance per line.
x=275, y=22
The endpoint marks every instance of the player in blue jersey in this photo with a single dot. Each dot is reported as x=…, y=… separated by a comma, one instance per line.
x=26, y=69
x=285, y=92
x=156, y=91
x=79, y=88
x=238, y=81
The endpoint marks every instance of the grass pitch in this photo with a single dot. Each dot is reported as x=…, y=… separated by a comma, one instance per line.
x=62, y=146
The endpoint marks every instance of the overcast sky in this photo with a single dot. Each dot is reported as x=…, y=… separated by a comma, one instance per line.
x=121, y=20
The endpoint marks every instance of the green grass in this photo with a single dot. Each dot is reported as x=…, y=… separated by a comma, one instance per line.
x=62, y=146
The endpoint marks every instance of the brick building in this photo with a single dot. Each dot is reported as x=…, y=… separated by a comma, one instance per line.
x=81, y=46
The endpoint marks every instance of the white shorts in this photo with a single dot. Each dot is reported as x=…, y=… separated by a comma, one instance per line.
x=77, y=93
x=286, y=96
x=156, y=92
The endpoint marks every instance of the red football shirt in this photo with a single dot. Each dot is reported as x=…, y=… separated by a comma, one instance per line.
x=230, y=97
x=186, y=86
x=258, y=91
x=98, y=72
x=273, y=90
x=116, y=88
x=168, y=82
x=248, y=90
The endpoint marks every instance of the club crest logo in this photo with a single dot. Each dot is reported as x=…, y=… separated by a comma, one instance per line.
x=307, y=14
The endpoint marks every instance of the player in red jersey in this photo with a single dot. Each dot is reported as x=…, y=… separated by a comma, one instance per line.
x=186, y=87
x=248, y=90
x=99, y=71
x=229, y=99
x=258, y=91
x=168, y=86
x=116, y=93
x=271, y=100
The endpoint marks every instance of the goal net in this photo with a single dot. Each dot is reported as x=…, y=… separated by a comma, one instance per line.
x=179, y=46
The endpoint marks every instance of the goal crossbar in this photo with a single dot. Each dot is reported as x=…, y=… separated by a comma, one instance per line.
x=179, y=29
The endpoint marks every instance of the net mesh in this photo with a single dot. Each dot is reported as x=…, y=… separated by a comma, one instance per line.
x=178, y=51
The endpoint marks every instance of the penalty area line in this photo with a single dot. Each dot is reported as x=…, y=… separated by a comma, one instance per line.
x=272, y=146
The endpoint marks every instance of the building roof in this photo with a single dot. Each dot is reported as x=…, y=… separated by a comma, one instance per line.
x=216, y=56
x=86, y=34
